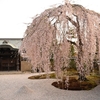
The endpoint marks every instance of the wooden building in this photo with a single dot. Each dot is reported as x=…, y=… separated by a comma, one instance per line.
x=9, y=56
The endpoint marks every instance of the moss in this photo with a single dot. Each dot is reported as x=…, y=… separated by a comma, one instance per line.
x=75, y=84
x=94, y=79
x=52, y=75
x=43, y=76
x=37, y=77
x=71, y=72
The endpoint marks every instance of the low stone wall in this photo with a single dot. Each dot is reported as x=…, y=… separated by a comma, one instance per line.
x=25, y=66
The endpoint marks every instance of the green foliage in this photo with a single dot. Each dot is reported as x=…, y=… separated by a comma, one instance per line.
x=95, y=64
x=72, y=51
x=72, y=62
x=52, y=62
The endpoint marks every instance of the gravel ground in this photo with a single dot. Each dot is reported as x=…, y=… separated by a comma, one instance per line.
x=19, y=87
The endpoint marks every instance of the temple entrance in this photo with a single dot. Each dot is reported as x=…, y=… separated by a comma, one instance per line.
x=9, y=57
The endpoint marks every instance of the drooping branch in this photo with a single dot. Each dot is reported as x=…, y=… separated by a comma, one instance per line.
x=72, y=21
x=50, y=31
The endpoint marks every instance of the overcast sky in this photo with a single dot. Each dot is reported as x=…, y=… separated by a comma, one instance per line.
x=15, y=13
